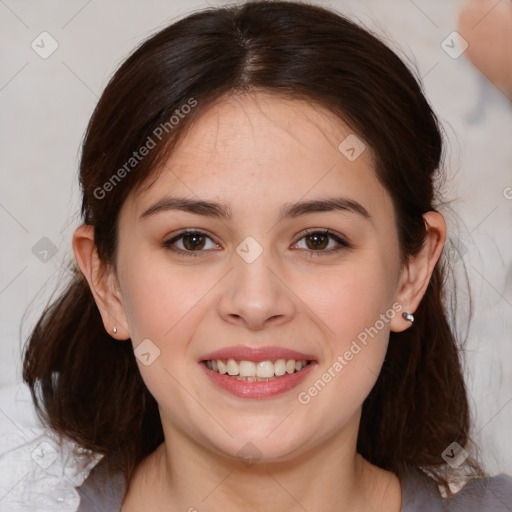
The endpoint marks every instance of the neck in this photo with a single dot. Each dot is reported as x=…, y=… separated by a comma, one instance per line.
x=332, y=476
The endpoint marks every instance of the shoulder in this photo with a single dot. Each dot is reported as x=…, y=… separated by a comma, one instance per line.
x=421, y=493
x=41, y=473
x=102, y=490
x=492, y=495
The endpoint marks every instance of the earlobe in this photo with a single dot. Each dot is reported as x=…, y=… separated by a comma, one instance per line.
x=417, y=272
x=102, y=282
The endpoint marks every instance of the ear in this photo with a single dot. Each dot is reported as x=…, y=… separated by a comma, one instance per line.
x=417, y=272
x=102, y=282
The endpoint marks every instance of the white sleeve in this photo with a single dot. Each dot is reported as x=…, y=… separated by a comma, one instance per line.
x=37, y=473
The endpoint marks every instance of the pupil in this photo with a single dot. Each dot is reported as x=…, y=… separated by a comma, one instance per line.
x=316, y=237
x=194, y=245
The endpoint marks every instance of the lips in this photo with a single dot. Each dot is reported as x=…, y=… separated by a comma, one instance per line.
x=256, y=354
x=274, y=386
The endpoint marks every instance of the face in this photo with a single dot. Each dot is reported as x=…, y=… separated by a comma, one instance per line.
x=261, y=276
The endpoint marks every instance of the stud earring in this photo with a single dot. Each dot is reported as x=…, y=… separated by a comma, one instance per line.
x=114, y=330
x=409, y=317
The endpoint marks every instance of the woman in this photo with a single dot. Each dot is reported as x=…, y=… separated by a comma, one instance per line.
x=257, y=319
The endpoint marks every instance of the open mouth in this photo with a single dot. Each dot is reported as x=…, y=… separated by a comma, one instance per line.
x=261, y=371
x=264, y=377
x=250, y=371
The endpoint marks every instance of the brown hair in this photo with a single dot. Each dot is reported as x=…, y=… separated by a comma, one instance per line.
x=87, y=386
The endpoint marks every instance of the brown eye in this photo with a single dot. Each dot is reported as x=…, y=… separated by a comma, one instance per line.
x=319, y=241
x=193, y=243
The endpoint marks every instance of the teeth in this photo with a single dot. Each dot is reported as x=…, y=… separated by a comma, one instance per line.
x=247, y=369
x=232, y=367
x=251, y=371
x=280, y=367
x=264, y=369
x=221, y=367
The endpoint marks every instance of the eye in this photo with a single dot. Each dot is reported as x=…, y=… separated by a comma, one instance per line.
x=193, y=242
x=317, y=240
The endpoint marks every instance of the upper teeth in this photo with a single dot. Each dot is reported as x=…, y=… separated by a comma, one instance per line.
x=252, y=369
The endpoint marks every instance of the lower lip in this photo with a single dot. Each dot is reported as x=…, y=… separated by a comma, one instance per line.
x=255, y=389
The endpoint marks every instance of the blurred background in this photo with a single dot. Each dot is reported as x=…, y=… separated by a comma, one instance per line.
x=55, y=59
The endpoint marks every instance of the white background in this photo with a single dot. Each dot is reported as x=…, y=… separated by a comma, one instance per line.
x=45, y=105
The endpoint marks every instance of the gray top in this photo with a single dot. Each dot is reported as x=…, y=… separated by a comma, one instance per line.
x=104, y=493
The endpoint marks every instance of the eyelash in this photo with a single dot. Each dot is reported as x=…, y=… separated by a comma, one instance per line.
x=343, y=244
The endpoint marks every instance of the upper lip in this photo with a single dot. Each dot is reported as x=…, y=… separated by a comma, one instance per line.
x=244, y=353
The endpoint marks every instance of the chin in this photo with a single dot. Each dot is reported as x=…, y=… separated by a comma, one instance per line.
x=252, y=446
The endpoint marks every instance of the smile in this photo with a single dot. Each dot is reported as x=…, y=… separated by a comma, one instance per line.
x=253, y=386
x=252, y=371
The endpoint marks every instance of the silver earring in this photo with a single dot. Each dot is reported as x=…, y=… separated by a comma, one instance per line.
x=114, y=330
x=409, y=317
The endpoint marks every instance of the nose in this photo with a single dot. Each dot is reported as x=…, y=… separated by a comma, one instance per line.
x=256, y=294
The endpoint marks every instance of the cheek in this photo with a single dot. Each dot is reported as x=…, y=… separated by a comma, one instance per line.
x=357, y=342
x=166, y=307
x=157, y=297
x=356, y=310
x=351, y=299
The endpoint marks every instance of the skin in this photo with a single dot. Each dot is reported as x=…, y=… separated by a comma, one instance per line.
x=256, y=153
x=486, y=25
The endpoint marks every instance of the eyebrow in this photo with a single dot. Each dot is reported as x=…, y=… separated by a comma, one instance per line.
x=223, y=211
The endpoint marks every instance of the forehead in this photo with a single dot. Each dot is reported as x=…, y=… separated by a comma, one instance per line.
x=262, y=127
x=263, y=148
